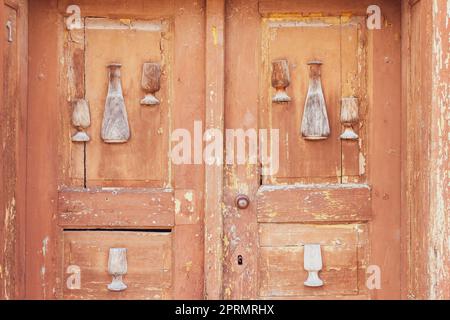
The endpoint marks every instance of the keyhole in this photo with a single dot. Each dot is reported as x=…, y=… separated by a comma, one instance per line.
x=239, y=260
x=9, y=27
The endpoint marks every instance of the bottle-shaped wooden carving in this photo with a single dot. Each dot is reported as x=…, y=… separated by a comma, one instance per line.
x=115, y=127
x=315, y=125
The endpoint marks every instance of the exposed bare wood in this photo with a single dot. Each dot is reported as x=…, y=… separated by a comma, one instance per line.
x=149, y=264
x=315, y=124
x=349, y=116
x=282, y=259
x=215, y=77
x=117, y=268
x=131, y=208
x=329, y=203
x=81, y=120
x=115, y=128
x=42, y=150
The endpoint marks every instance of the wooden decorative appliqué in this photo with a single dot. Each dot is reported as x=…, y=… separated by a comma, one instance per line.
x=117, y=267
x=81, y=120
x=315, y=124
x=115, y=128
x=151, y=75
x=349, y=117
x=280, y=80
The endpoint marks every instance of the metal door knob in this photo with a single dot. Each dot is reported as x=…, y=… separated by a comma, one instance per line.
x=242, y=201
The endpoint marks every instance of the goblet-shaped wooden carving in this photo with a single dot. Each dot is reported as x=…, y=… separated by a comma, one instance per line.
x=81, y=120
x=315, y=124
x=280, y=80
x=312, y=262
x=115, y=128
x=151, y=76
x=117, y=267
x=349, y=117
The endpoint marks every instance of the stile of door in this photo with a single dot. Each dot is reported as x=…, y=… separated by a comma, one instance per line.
x=340, y=194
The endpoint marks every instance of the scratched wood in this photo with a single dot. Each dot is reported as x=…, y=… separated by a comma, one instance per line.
x=354, y=83
x=281, y=259
x=131, y=208
x=355, y=69
x=305, y=160
x=189, y=180
x=9, y=135
x=149, y=260
x=425, y=104
x=241, y=111
x=143, y=159
x=308, y=203
x=45, y=28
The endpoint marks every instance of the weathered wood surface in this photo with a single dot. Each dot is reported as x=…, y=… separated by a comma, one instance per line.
x=44, y=111
x=131, y=208
x=281, y=259
x=149, y=264
x=303, y=161
x=214, y=107
x=327, y=203
x=143, y=160
x=426, y=154
x=150, y=82
x=280, y=80
x=242, y=75
x=115, y=127
x=315, y=123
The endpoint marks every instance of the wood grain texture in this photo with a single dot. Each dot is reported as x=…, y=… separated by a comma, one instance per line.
x=189, y=85
x=281, y=259
x=130, y=208
x=384, y=163
x=13, y=137
x=241, y=96
x=149, y=260
x=321, y=203
x=300, y=40
x=42, y=150
x=426, y=179
x=214, y=107
x=143, y=160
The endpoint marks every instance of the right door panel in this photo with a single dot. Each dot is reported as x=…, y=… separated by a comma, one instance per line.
x=314, y=215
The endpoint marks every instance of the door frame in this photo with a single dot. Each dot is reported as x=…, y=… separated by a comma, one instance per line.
x=417, y=281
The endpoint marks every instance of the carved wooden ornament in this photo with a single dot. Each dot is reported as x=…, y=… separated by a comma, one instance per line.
x=280, y=80
x=151, y=75
x=313, y=264
x=349, y=117
x=315, y=124
x=115, y=128
x=117, y=267
x=81, y=120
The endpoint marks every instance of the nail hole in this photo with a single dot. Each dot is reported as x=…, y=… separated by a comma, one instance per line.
x=239, y=260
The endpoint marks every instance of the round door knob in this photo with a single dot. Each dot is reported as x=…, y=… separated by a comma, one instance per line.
x=242, y=201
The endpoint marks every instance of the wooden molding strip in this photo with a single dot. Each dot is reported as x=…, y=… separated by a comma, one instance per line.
x=214, y=103
x=314, y=203
x=111, y=207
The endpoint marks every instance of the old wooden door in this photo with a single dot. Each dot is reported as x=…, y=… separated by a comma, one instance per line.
x=343, y=195
x=120, y=205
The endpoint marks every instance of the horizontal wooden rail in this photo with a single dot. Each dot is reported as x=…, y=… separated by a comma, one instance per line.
x=314, y=203
x=116, y=207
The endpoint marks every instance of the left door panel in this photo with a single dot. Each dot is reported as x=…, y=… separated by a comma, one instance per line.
x=126, y=222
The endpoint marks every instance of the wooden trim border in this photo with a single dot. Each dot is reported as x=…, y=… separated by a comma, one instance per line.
x=214, y=119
